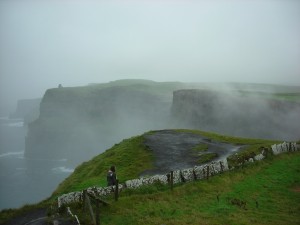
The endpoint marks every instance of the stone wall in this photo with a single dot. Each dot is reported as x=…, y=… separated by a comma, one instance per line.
x=179, y=176
x=284, y=147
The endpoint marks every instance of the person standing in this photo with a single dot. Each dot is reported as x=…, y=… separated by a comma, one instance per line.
x=111, y=176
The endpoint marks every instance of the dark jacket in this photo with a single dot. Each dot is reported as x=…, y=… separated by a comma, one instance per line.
x=111, y=178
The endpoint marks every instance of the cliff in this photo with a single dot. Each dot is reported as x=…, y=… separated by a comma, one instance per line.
x=80, y=122
x=237, y=113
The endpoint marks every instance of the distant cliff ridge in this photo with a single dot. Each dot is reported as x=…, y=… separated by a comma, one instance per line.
x=78, y=123
x=236, y=113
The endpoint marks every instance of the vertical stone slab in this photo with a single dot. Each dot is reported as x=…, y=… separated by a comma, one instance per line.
x=132, y=184
x=284, y=147
x=177, y=177
x=163, y=179
x=199, y=172
x=275, y=149
x=259, y=157
x=69, y=198
x=187, y=174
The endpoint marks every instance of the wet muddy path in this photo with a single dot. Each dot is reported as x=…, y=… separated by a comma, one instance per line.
x=172, y=150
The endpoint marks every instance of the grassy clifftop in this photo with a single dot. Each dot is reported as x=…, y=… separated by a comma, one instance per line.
x=265, y=192
x=132, y=157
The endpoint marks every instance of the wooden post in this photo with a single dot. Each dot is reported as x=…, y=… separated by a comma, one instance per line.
x=117, y=190
x=194, y=175
x=207, y=172
x=171, y=180
x=90, y=209
x=84, y=194
x=97, y=212
x=221, y=165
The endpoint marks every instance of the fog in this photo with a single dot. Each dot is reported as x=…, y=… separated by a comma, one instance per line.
x=237, y=113
x=45, y=43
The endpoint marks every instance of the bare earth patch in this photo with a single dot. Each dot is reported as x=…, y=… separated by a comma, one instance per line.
x=173, y=150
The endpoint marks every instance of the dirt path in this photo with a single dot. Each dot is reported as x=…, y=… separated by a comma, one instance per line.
x=173, y=150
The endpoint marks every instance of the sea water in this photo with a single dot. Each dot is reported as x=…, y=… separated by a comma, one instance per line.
x=23, y=180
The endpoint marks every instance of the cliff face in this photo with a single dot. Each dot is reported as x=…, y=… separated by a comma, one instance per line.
x=237, y=114
x=77, y=123
x=81, y=122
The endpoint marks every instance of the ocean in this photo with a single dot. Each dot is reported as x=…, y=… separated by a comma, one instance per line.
x=23, y=180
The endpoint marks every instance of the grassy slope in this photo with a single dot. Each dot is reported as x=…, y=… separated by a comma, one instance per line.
x=269, y=189
x=131, y=158
x=193, y=201
x=269, y=183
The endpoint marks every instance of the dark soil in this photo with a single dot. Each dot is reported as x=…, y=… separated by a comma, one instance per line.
x=172, y=150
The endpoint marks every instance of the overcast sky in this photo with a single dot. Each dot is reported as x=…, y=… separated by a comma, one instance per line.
x=48, y=42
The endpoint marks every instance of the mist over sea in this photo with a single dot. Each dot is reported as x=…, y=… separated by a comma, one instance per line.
x=24, y=181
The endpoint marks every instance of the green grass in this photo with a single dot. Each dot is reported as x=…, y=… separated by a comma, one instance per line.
x=230, y=139
x=293, y=97
x=285, y=96
x=251, y=147
x=200, y=148
x=270, y=183
x=131, y=157
x=267, y=187
x=196, y=202
x=206, y=157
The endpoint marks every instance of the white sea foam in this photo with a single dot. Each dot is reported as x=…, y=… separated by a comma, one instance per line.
x=47, y=160
x=7, y=154
x=8, y=120
x=62, y=169
x=16, y=124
